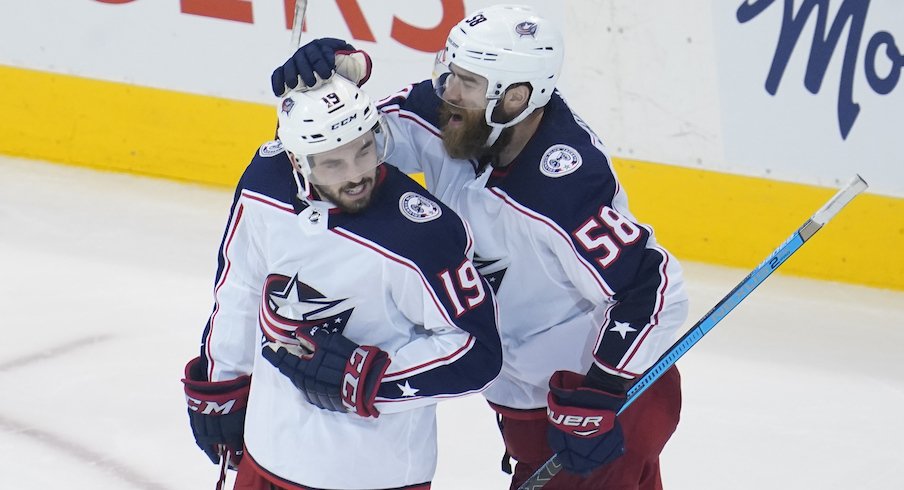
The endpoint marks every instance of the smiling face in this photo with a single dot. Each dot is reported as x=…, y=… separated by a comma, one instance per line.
x=345, y=176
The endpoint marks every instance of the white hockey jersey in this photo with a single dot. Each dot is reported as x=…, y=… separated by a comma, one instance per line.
x=396, y=275
x=578, y=279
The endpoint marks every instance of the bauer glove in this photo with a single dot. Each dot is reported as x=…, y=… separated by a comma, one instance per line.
x=583, y=430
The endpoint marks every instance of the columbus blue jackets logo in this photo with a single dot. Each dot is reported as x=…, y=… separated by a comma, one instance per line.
x=287, y=105
x=289, y=304
x=271, y=148
x=418, y=208
x=526, y=28
x=560, y=160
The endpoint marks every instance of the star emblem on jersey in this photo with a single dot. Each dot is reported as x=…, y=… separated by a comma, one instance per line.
x=407, y=390
x=560, y=160
x=491, y=270
x=418, y=208
x=623, y=329
x=271, y=148
x=289, y=304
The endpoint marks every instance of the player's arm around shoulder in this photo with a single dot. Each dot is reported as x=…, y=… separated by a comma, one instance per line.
x=412, y=115
x=458, y=350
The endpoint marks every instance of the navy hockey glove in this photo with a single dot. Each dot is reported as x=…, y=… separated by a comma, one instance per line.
x=583, y=429
x=316, y=61
x=331, y=371
x=216, y=411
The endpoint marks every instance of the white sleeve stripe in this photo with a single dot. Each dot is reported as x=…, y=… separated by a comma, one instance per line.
x=654, y=321
x=657, y=308
x=469, y=249
x=469, y=342
x=604, y=287
x=268, y=200
x=413, y=117
x=227, y=265
x=445, y=396
x=403, y=94
x=433, y=363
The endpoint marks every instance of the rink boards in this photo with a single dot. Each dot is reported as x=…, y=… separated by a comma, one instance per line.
x=698, y=214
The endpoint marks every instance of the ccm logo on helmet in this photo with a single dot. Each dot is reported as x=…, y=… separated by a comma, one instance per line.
x=344, y=121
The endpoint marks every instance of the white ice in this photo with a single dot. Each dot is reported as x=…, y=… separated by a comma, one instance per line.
x=105, y=285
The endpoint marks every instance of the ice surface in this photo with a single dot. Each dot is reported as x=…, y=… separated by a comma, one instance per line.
x=105, y=284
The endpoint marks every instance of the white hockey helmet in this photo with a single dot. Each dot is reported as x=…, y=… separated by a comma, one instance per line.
x=324, y=119
x=506, y=45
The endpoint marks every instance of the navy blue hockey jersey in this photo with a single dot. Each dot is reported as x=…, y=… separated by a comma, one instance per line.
x=578, y=279
x=396, y=275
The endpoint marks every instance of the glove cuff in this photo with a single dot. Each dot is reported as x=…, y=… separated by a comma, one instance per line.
x=354, y=65
x=363, y=373
x=213, y=397
x=568, y=388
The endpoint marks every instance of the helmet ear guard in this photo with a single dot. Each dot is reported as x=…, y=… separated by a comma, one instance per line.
x=506, y=45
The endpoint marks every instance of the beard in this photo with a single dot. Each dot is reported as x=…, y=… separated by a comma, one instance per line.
x=468, y=139
x=345, y=202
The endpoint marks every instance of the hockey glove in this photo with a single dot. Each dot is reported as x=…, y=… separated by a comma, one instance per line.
x=583, y=429
x=216, y=411
x=331, y=371
x=316, y=61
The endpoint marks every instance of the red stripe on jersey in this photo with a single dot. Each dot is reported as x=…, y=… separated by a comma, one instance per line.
x=660, y=297
x=276, y=204
x=654, y=321
x=607, y=291
x=360, y=241
x=226, y=268
x=436, y=301
x=417, y=119
x=403, y=94
x=390, y=376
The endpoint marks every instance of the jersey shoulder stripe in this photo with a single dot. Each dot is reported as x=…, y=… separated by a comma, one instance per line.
x=409, y=221
x=419, y=99
x=563, y=160
x=269, y=177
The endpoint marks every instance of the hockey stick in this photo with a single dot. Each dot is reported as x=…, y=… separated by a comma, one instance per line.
x=718, y=312
x=301, y=6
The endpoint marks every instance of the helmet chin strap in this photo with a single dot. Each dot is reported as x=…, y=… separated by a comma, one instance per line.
x=498, y=127
x=304, y=191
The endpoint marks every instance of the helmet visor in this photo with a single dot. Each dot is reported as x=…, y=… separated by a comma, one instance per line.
x=456, y=86
x=350, y=161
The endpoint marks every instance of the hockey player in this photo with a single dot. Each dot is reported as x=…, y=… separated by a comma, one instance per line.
x=346, y=306
x=588, y=300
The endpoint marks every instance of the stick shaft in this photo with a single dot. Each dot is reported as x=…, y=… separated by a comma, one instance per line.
x=722, y=308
